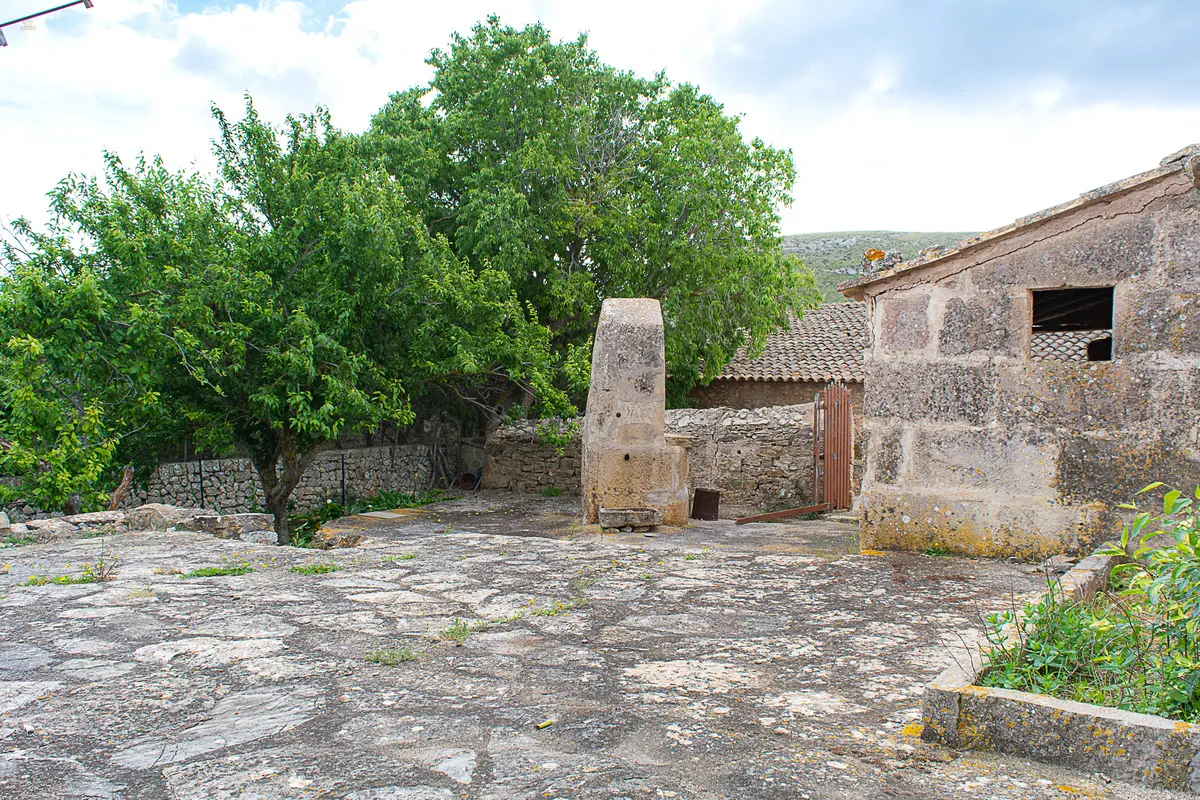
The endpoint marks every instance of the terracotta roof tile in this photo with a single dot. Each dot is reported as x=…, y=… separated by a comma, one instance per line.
x=1064, y=345
x=825, y=345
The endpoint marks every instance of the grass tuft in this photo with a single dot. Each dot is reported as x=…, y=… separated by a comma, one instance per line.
x=216, y=572
x=318, y=568
x=457, y=631
x=391, y=656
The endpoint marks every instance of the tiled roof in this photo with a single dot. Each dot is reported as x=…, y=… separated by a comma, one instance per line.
x=1186, y=160
x=825, y=345
x=1063, y=345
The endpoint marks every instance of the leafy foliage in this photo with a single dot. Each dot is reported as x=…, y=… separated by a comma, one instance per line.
x=74, y=373
x=1135, y=648
x=316, y=568
x=242, y=568
x=392, y=656
x=581, y=182
x=298, y=298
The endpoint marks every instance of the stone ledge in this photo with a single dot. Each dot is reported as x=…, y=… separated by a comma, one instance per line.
x=1142, y=748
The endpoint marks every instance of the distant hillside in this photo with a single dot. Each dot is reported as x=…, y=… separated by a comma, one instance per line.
x=836, y=257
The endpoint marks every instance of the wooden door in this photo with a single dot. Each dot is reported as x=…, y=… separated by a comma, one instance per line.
x=837, y=447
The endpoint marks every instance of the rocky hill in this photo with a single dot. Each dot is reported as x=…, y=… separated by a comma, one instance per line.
x=835, y=257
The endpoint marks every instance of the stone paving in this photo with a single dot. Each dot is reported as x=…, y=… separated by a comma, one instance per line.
x=766, y=661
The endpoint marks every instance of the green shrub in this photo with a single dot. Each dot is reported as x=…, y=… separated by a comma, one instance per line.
x=388, y=500
x=304, y=526
x=457, y=631
x=551, y=491
x=1134, y=647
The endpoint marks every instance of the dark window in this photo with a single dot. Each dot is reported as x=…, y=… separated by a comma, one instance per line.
x=1073, y=309
x=1072, y=325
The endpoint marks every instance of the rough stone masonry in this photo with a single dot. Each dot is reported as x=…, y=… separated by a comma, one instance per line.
x=759, y=459
x=981, y=445
x=627, y=463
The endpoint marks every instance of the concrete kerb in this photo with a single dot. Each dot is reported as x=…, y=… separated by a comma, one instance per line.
x=1141, y=748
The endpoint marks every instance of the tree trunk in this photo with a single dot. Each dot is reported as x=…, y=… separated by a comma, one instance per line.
x=114, y=501
x=277, y=488
x=277, y=505
x=73, y=505
x=276, y=493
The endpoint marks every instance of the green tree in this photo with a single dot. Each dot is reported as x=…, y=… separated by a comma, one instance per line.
x=298, y=297
x=582, y=182
x=76, y=383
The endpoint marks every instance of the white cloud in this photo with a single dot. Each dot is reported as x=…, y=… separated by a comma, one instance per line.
x=134, y=75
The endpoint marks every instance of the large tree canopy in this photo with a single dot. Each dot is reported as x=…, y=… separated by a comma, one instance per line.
x=582, y=182
x=296, y=298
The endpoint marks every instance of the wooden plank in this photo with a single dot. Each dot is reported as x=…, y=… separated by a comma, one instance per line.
x=790, y=512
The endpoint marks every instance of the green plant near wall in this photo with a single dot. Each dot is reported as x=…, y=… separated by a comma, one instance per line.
x=1134, y=647
x=304, y=526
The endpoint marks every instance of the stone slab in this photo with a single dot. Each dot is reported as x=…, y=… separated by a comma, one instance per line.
x=767, y=662
x=630, y=517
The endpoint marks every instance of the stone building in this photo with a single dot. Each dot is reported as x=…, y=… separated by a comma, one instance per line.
x=1023, y=383
x=825, y=346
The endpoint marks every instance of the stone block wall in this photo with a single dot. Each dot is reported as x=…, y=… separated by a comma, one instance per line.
x=759, y=459
x=975, y=446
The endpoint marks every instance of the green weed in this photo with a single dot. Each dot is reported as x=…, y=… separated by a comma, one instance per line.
x=215, y=572
x=1135, y=647
x=318, y=568
x=457, y=631
x=102, y=569
x=551, y=491
x=96, y=533
x=12, y=540
x=391, y=656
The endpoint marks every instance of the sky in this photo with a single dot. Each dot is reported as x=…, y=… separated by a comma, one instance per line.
x=913, y=115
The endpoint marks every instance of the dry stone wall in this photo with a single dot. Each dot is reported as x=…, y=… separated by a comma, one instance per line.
x=231, y=485
x=759, y=459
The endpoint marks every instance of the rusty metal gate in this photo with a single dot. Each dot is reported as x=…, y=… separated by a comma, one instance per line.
x=833, y=448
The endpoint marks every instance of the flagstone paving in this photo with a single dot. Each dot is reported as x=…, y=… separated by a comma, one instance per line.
x=766, y=661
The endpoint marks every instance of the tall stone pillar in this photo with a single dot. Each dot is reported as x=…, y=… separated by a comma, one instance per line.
x=627, y=463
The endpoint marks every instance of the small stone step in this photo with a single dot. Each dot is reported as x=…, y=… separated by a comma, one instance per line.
x=631, y=518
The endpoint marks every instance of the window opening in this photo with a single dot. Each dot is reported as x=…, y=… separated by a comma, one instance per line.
x=1072, y=325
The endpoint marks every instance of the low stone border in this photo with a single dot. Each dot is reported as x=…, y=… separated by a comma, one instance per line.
x=1140, y=748
x=248, y=527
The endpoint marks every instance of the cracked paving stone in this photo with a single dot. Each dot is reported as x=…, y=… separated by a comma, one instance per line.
x=757, y=662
